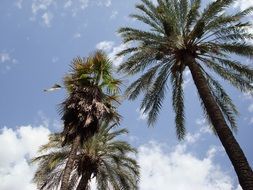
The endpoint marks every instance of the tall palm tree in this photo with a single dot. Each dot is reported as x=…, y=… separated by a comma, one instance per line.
x=181, y=35
x=102, y=157
x=92, y=94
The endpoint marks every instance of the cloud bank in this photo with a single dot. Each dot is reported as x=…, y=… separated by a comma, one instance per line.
x=162, y=167
x=17, y=147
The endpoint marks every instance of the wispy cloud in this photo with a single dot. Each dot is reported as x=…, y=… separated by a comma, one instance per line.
x=112, y=51
x=47, y=18
x=105, y=45
x=45, y=10
x=84, y=4
x=202, y=130
x=41, y=5
x=113, y=54
x=4, y=57
x=19, y=4
x=68, y=3
x=141, y=114
x=55, y=59
x=187, y=78
x=108, y=3
x=250, y=108
x=77, y=35
x=42, y=9
x=6, y=60
x=243, y=4
x=114, y=14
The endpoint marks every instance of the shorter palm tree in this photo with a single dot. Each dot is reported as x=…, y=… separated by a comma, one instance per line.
x=92, y=94
x=101, y=157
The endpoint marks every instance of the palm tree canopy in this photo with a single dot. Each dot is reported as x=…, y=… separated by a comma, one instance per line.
x=179, y=30
x=95, y=70
x=93, y=92
x=103, y=156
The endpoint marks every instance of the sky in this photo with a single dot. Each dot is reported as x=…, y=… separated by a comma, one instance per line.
x=39, y=39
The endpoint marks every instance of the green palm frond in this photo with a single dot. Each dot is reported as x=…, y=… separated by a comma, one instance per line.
x=192, y=15
x=154, y=25
x=154, y=96
x=241, y=49
x=113, y=167
x=224, y=101
x=181, y=29
x=238, y=81
x=93, y=96
x=178, y=103
x=142, y=83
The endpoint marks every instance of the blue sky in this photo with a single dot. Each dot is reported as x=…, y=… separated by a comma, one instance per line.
x=39, y=38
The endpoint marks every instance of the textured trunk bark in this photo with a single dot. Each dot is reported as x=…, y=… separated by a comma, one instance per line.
x=70, y=164
x=83, y=184
x=233, y=149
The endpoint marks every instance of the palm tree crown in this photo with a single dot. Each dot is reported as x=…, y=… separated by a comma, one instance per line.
x=102, y=157
x=179, y=29
x=181, y=35
x=93, y=93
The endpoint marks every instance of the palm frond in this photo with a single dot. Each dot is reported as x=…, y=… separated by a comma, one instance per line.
x=178, y=103
x=223, y=100
x=234, y=78
x=192, y=15
x=141, y=84
x=154, y=96
x=102, y=156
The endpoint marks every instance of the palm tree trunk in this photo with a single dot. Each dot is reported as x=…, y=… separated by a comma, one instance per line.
x=83, y=184
x=70, y=163
x=232, y=148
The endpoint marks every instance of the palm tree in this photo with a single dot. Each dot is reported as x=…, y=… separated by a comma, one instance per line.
x=181, y=35
x=102, y=157
x=92, y=94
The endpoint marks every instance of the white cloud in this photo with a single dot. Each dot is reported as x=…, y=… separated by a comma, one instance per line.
x=43, y=10
x=20, y=144
x=19, y=3
x=47, y=18
x=115, y=50
x=179, y=169
x=250, y=108
x=187, y=78
x=105, y=45
x=77, y=35
x=114, y=14
x=4, y=57
x=204, y=126
x=161, y=167
x=251, y=121
x=141, y=115
x=243, y=4
x=55, y=59
x=68, y=4
x=108, y=3
x=84, y=3
x=7, y=60
x=203, y=129
x=247, y=96
x=41, y=5
x=200, y=121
